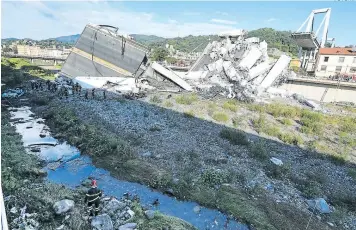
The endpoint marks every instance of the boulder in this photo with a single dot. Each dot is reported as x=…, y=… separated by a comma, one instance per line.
x=196, y=209
x=320, y=205
x=128, y=226
x=113, y=205
x=131, y=213
x=63, y=206
x=150, y=214
x=102, y=222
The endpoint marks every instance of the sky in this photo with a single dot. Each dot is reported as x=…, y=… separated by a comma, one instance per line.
x=48, y=19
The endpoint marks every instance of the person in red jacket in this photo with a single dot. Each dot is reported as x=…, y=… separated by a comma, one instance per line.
x=93, y=198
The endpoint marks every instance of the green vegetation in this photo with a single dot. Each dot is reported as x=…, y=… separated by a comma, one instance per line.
x=311, y=122
x=168, y=104
x=186, y=99
x=278, y=171
x=214, y=177
x=287, y=121
x=17, y=69
x=159, y=54
x=156, y=99
x=189, y=114
x=352, y=173
x=281, y=40
x=231, y=105
x=259, y=123
x=280, y=110
x=235, y=137
x=159, y=221
x=236, y=121
x=220, y=117
x=258, y=150
x=290, y=138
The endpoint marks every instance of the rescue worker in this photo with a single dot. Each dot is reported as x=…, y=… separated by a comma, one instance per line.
x=79, y=88
x=86, y=94
x=73, y=89
x=48, y=83
x=66, y=92
x=33, y=84
x=104, y=94
x=93, y=198
x=93, y=93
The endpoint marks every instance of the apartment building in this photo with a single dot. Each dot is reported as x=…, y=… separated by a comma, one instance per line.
x=331, y=61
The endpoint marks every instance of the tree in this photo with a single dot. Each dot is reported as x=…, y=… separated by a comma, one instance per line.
x=159, y=54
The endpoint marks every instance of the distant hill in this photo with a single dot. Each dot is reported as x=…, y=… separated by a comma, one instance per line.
x=147, y=39
x=276, y=39
x=71, y=39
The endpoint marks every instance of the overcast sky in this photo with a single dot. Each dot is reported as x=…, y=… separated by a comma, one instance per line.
x=47, y=19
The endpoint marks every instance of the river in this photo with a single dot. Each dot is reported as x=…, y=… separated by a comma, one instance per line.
x=65, y=165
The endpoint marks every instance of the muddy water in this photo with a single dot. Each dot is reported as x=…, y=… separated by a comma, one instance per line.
x=66, y=166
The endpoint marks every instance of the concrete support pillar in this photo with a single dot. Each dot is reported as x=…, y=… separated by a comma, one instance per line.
x=31, y=60
x=55, y=62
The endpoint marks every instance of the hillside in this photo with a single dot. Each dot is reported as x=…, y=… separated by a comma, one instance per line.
x=71, y=39
x=276, y=39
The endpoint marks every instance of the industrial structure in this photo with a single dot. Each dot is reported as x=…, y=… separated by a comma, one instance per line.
x=307, y=40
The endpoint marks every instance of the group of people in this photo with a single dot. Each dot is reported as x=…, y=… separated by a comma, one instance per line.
x=63, y=90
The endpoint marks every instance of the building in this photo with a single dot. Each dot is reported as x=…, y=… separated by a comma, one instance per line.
x=331, y=61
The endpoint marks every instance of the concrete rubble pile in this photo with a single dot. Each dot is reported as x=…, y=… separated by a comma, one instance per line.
x=234, y=67
x=241, y=69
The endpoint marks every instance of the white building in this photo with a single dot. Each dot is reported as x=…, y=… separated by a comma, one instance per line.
x=331, y=61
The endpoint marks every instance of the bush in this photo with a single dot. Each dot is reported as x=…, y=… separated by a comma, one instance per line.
x=230, y=105
x=345, y=199
x=287, y=121
x=317, y=176
x=309, y=188
x=236, y=121
x=235, y=137
x=276, y=171
x=186, y=99
x=280, y=110
x=352, y=173
x=272, y=131
x=156, y=99
x=258, y=150
x=220, y=117
x=290, y=138
x=347, y=139
x=348, y=124
x=168, y=104
x=338, y=159
x=260, y=123
x=214, y=177
x=189, y=114
x=256, y=107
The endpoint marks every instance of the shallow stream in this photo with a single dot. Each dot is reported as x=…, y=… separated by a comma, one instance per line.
x=66, y=166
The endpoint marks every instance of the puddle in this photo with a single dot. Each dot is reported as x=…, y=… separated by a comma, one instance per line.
x=66, y=166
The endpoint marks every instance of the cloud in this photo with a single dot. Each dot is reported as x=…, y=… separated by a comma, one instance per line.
x=172, y=21
x=190, y=13
x=222, y=21
x=222, y=13
x=271, y=19
x=71, y=18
